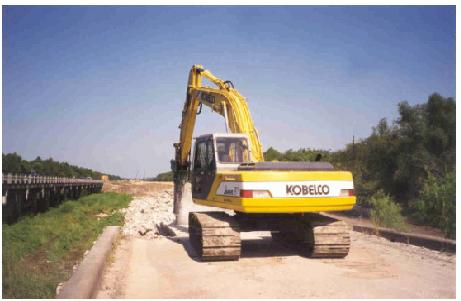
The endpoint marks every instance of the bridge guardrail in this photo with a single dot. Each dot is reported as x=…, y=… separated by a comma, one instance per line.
x=36, y=179
x=33, y=193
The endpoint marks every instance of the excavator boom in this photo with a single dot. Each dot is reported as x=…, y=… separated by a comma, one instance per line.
x=223, y=99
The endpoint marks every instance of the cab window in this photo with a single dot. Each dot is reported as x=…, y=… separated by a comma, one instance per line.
x=232, y=150
x=210, y=154
x=200, y=155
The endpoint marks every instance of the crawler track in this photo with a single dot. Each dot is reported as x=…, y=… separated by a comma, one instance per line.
x=316, y=236
x=214, y=235
x=330, y=239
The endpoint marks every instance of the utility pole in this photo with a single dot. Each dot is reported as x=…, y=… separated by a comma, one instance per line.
x=353, y=147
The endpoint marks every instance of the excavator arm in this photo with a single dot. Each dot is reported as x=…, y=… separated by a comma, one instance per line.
x=223, y=99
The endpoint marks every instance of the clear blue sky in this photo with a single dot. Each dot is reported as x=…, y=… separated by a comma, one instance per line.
x=103, y=87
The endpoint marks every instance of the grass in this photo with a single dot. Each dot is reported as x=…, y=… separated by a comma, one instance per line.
x=40, y=251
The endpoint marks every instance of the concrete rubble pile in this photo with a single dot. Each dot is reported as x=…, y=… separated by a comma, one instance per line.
x=146, y=216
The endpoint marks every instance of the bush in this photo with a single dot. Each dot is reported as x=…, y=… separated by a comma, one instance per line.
x=437, y=203
x=385, y=212
x=166, y=176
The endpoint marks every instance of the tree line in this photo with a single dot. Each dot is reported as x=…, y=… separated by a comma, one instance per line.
x=410, y=160
x=13, y=163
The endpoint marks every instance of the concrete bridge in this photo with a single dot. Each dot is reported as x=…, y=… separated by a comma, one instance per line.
x=23, y=194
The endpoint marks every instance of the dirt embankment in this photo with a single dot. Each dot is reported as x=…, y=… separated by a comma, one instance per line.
x=137, y=188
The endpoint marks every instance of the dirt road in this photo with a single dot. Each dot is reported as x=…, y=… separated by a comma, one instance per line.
x=164, y=267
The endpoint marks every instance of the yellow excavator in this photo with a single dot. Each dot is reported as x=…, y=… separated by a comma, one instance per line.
x=228, y=171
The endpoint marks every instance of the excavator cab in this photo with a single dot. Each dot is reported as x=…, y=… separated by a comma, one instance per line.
x=215, y=152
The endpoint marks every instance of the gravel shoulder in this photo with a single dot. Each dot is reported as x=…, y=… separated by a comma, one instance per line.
x=155, y=266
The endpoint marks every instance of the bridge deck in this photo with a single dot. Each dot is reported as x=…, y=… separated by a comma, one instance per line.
x=32, y=193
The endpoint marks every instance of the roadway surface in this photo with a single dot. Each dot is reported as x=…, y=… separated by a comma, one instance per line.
x=153, y=266
x=375, y=268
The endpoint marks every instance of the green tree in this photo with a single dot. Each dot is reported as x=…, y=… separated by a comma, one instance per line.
x=437, y=204
x=11, y=163
x=272, y=155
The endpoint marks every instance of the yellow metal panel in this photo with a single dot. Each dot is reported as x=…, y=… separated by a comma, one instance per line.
x=279, y=205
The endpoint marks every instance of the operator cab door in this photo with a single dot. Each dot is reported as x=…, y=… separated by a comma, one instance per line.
x=204, y=170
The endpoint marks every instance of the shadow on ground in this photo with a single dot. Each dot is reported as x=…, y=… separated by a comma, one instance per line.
x=251, y=248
